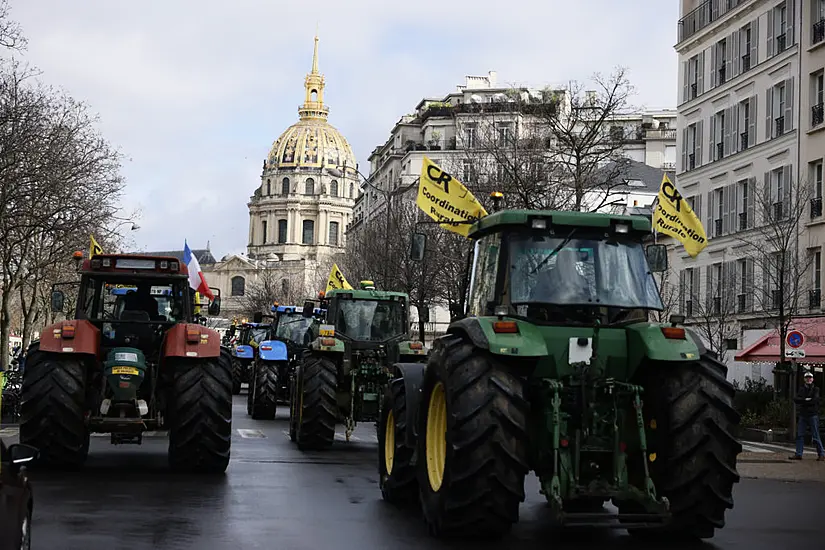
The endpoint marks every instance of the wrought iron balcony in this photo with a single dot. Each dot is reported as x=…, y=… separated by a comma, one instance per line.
x=746, y=62
x=691, y=161
x=743, y=221
x=817, y=114
x=818, y=32
x=780, y=125
x=717, y=228
x=816, y=207
x=720, y=150
x=743, y=140
x=814, y=298
x=741, y=302
x=781, y=42
x=776, y=298
x=777, y=210
x=722, y=74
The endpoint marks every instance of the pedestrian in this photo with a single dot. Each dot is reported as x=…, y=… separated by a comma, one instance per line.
x=807, y=402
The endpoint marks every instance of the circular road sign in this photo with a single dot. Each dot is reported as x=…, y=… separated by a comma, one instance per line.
x=795, y=339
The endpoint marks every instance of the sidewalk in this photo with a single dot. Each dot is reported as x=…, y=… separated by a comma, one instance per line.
x=770, y=461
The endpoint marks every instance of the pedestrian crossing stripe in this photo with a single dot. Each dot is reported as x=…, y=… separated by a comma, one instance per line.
x=342, y=437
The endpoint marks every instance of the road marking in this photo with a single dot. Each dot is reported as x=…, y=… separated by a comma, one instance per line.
x=753, y=449
x=251, y=434
x=8, y=432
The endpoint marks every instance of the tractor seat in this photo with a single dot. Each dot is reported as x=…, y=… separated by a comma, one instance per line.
x=139, y=334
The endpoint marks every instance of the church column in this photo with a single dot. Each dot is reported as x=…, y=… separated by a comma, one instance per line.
x=290, y=226
x=251, y=228
x=322, y=229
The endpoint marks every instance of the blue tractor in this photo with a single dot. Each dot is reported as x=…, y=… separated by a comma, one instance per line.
x=243, y=353
x=288, y=336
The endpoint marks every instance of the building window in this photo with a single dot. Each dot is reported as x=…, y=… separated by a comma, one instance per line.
x=818, y=28
x=268, y=186
x=263, y=232
x=718, y=133
x=351, y=191
x=282, y=228
x=693, y=71
x=815, y=297
x=780, y=34
x=466, y=171
x=747, y=124
x=745, y=205
x=815, y=173
x=469, y=137
x=731, y=344
x=309, y=188
x=333, y=188
x=309, y=232
x=333, y=233
x=779, y=101
x=817, y=97
x=747, y=51
x=238, y=286
x=505, y=135
x=692, y=146
x=285, y=186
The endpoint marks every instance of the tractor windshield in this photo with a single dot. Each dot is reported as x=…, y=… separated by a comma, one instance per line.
x=254, y=336
x=293, y=327
x=370, y=320
x=138, y=300
x=580, y=272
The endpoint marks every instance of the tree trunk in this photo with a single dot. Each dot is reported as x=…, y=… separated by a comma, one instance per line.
x=5, y=329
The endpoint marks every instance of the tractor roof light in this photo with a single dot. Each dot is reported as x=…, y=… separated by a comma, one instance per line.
x=539, y=224
x=622, y=228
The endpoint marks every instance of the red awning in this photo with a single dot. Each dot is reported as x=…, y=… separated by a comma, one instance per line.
x=766, y=349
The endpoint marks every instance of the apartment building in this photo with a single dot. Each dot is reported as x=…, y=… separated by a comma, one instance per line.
x=749, y=114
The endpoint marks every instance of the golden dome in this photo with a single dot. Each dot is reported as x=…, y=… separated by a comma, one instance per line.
x=311, y=142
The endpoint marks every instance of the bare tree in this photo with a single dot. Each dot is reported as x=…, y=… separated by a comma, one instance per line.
x=11, y=35
x=777, y=248
x=669, y=292
x=60, y=182
x=716, y=314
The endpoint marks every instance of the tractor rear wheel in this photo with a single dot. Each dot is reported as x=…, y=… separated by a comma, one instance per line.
x=263, y=390
x=690, y=405
x=396, y=471
x=200, y=418
x=237, y=377
x=52, y=412
x=472, y=442
x=317, y=403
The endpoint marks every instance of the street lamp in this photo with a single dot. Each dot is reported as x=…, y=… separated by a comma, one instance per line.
x=388, y=195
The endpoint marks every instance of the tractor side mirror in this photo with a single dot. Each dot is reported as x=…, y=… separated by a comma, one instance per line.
x=309, y=309
x=418, y=244
x=215, y=307
x=57, y=300
x=257, y=317
x=656, y=257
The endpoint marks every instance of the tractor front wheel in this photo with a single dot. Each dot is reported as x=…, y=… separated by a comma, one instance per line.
x=472, y=442
x=53, y=408
x=263, y=388
x=237, y=376
x=200, y=418
x=396, y=471
x=692, y=450
x=317, y=403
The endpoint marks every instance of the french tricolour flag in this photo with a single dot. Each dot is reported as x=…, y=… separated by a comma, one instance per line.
x=196, y=278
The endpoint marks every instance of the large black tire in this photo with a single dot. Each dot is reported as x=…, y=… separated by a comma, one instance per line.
x=200, y=415
x=237, y=376
x=399, y=484
x=263, y=390
x=486, y=455
x=52, y=412
x=317, y=403
x=695, y=466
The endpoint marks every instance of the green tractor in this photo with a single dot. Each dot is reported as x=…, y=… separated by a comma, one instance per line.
x=342, y=375
x=555, y=368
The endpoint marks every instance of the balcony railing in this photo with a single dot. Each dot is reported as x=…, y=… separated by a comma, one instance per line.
x=668, y=165
x=743, y=221
x=818, y=32
x=817, y=115
x=660, y=134
x=780, y=42
x=743, y=139
x=717, y=228
x=776, y=298
x=720, y=150
x=706, y=13
x=722, y=74
x=691, y=161
x=694, y=90
x=688, y=308
x=777, y=210
x=717, y=305
x=816, y=207
x=746, y=62
x=741, y=302
x=814, y=298
x=780, y=126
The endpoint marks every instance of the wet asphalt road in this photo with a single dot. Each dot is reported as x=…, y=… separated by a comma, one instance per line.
x=276, y=497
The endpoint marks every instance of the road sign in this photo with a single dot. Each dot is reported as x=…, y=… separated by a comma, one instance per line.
x=795, y=339
x=795, y=353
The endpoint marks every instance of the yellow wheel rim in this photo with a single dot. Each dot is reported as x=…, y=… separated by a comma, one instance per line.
x=389, y=442
x=436, y=436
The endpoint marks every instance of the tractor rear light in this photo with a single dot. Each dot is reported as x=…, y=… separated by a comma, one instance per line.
x=416, y=345
x=674, y=333
x=266, y=348
x=328, y=342
x=505, y=327
x=68, y=331
x=623, y=446
x=193, y=335
x=564, y=443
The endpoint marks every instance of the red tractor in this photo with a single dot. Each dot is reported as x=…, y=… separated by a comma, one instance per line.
x=133, y=359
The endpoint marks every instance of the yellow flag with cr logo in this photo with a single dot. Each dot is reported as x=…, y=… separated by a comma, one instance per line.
x=95, y=248
x=444, y=198
x=674, y=217
x=336, y=280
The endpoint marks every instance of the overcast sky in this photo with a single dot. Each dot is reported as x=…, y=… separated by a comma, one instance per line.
x=195, y=92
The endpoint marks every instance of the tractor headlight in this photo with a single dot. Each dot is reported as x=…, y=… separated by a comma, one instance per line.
x=622, y=228
x=539, y=224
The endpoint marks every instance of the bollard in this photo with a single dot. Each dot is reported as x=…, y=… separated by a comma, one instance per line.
x=769, y=436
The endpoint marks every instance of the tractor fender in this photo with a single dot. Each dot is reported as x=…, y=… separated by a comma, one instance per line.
x=647, y=341
x=700, y=345
x=244, y=352
x=412, y=375
x=527, y=342
x=273, y=350
x=82, y=338
x=191, y=340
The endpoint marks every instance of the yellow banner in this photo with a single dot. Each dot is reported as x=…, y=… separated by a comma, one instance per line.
x=336, y=279
x=675, y=217
x=444, y=198
x=94, y=248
